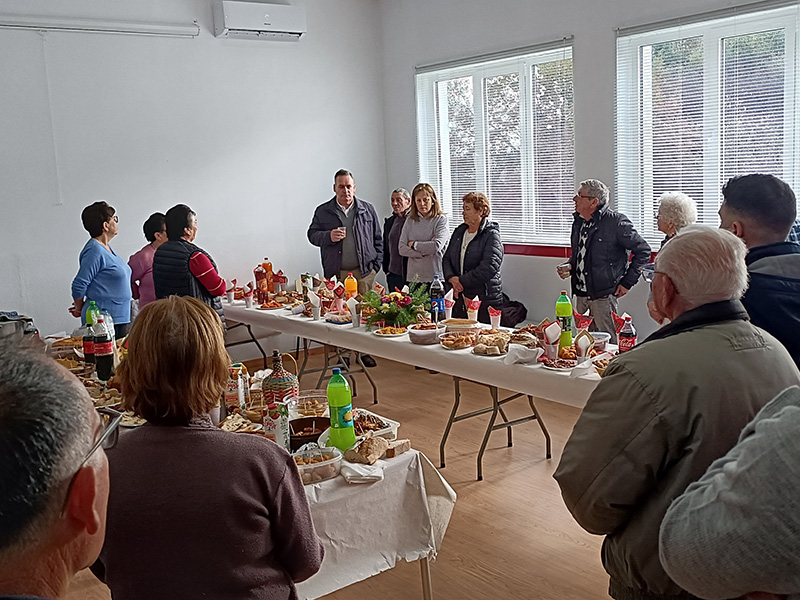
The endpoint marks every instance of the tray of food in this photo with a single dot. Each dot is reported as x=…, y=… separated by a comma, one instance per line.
x=391, y=331
x=559, y=364
x=491, y=342
x=131, y=420
x=460, y=324
x=339, y=318
x=271, y=305
x=238, y=423
x=318, y=464
x=424, y=333
x=458, y=340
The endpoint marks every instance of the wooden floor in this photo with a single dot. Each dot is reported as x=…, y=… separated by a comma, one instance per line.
x=510, y=535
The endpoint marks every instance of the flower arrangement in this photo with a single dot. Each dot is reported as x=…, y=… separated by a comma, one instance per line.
x=397, y=309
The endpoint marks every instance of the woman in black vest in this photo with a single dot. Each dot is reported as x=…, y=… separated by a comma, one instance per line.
x=472, y=261
x=181, y=268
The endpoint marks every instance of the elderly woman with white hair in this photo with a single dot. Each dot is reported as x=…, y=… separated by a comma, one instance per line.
x=676, y=210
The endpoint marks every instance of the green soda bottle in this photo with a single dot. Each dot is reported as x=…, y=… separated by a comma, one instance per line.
x=340, y=403
x=564, y=316
x=92, y=313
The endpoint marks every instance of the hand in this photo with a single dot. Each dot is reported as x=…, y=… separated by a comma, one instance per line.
x=75, y=311
x=564, y=270
x=654, y=314
x=457, y=287
x=411, y=244
x=337, y=235
x=621, y=291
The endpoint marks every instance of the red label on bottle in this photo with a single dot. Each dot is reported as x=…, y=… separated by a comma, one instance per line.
x=626, y=343
x=103, y=348
x=88, y=347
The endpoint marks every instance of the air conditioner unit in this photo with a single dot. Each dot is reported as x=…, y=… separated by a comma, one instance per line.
x=258, y=21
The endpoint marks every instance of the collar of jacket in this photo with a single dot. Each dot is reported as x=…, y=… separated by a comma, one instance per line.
x=706, y=314
x=358, y=205
x=778, y=248
x=596, y=215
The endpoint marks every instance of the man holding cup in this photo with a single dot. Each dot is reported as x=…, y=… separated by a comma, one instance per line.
x=347, y=231
x=599, y=267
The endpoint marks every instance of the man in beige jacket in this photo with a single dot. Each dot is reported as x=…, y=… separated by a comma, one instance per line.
x=668, y=408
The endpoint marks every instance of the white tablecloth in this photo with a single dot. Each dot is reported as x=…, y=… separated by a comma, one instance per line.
x=526, y=379
x=366, y=528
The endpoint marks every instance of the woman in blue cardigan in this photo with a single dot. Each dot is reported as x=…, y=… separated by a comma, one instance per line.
x=103, y=276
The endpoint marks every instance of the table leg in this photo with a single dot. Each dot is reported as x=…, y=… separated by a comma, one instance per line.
x=369, y=378
x=305, y=357
x=541, y=424
x=457, y=393
x=489, y=427
x=508, y=429
x=324, y=367
x=425, y=570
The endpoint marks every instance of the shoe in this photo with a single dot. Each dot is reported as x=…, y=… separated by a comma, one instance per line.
x=368, y=361
x=432, y=372
x=345, y=360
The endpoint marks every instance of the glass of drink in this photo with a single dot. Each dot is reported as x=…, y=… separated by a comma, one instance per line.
x=343, y=230
x=564, y=270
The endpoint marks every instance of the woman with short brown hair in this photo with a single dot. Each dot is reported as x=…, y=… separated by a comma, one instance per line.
x=195, y=511
x=473, y=258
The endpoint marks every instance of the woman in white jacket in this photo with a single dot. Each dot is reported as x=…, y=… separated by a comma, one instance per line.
x=424, y=236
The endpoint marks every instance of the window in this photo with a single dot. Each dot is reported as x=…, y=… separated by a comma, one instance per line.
x=504, y=127
x=700, y=103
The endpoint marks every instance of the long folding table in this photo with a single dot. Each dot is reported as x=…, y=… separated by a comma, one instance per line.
x=526, y=381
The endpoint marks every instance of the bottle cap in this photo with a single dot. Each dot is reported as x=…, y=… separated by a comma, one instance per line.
x=349, y=274
x=337, y=371
x=100, y=319
x=563, y=292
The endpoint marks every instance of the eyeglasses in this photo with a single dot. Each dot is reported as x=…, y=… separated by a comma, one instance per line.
x=115, y=218
x=649, y=272
x=109, y=434
x=582, y=196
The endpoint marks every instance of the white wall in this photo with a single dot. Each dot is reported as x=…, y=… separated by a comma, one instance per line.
x=248, y=133
x=419, y=32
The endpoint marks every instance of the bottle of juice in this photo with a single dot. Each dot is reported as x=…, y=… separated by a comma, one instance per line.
x=564, y=316
x=350, y=287
x=340, y=402
x=267, y=266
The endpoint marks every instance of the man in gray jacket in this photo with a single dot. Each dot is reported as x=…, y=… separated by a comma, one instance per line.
x=736, y=532
x=665, y=410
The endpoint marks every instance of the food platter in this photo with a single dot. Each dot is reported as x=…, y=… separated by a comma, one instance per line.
x=270, y=307
x=384, y=333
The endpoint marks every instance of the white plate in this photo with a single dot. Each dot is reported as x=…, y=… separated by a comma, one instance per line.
x=564, y=370
x=389, y=334
x=487, y=355
x=273, y=308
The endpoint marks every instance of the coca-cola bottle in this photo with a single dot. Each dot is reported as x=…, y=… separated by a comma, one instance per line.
x=627, y=336
x=103, y=351
x=88, y=345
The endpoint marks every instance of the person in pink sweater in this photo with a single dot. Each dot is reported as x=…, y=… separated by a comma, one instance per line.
x=141, y=263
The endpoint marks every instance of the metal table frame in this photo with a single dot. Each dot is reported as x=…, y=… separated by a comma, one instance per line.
x=334, y=357
x=495, y=408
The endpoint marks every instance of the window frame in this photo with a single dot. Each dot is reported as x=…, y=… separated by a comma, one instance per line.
x=431, y=158
x=634, y=184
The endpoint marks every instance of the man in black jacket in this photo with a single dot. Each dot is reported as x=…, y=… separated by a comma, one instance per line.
x=760, y=209
x=600, y=269
x=394, y=265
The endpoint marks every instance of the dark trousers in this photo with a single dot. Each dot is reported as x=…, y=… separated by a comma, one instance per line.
x=394, y=281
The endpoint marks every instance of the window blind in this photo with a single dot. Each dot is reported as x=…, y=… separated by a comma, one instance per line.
x=701, y=102
x=505, y=127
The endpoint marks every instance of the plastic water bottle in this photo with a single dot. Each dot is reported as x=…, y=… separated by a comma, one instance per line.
x=350, y=287
x=340, y=403
x=437, y=299
x=627, y=336
x=564, y=316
